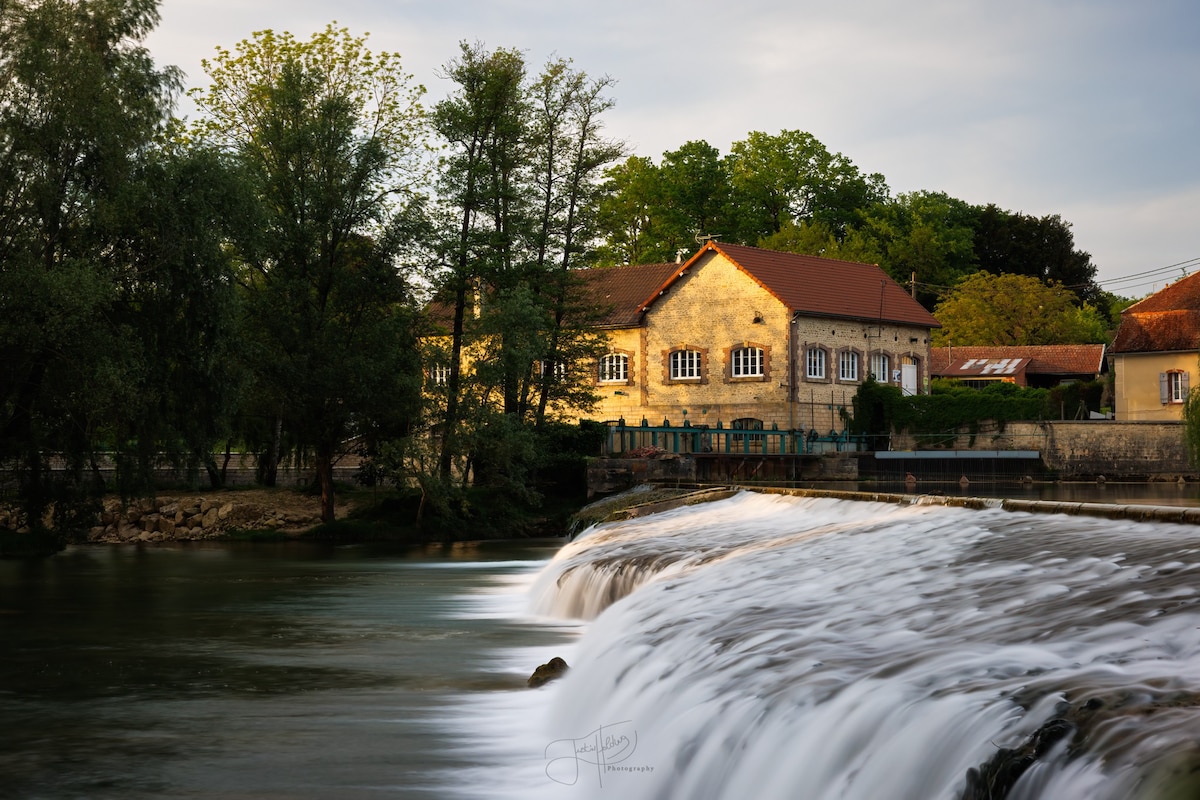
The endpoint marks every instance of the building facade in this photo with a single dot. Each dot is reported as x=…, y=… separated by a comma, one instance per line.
x=752, y=338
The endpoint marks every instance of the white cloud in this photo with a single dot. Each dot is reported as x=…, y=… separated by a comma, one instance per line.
x=1087, y=110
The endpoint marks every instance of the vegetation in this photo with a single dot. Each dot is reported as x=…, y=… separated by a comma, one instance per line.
x=321, y=264
x=937, y=418
x=1006, y=309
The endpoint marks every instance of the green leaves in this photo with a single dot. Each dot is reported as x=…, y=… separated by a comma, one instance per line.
x=986, y=309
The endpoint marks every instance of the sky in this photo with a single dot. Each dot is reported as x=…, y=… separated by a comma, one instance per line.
x=1089, y=109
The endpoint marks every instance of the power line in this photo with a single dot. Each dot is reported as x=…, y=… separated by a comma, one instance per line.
x=1150, y=276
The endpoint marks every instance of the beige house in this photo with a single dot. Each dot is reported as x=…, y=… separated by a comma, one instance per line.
x=753, y=338
x=1155, y=352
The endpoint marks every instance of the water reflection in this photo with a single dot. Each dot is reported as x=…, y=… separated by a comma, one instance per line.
x=249, y=670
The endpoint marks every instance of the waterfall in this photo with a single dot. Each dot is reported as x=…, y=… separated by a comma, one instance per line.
x=776, y=647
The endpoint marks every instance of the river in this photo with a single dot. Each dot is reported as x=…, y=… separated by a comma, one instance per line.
x=759, y=646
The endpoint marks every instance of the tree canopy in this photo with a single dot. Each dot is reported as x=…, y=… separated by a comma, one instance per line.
x=327, y=134
x=1006, y=309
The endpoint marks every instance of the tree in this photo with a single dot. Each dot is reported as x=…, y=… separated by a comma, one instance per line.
x=519, y=181
x=328, y=135
x=629, y=214
x=80, y=99
x=923, y=234
x=1042, y=247
x=791, y=178
x=482, y=122
x=987, y=309
x=570, y=153
x=180, y=306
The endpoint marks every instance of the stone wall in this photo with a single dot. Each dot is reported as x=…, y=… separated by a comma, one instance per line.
x=190, y=518
x=1086, y=449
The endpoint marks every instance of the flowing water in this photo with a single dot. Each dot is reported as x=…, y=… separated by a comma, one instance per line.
x=756, y=647
x=767, y=646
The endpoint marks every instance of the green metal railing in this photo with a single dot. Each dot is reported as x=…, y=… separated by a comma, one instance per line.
x=688, y=438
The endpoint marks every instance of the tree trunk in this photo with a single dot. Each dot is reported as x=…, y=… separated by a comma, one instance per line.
x=272, y=471
x=325, y=479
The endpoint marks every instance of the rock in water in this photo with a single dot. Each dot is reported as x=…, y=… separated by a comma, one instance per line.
x=552, y=670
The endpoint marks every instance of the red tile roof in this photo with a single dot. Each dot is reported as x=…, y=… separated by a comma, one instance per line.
x=620, y=292
x=1158, y=331
x=1165, y=321
x=1050, y=359
x=821, y=287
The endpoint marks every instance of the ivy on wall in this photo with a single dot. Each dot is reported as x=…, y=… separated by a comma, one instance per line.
x=936, y=418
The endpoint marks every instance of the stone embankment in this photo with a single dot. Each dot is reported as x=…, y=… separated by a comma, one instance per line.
x=189, y=518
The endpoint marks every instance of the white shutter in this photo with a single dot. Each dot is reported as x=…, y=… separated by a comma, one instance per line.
x=1164, y=391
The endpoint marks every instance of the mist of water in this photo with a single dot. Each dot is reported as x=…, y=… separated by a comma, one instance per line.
x=768, y=646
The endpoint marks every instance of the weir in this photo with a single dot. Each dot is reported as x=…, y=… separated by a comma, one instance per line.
x=767, y=645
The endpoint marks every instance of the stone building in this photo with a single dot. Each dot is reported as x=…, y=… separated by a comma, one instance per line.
x=752, y=338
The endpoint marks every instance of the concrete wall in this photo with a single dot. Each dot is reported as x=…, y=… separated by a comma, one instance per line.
x=1086, y=449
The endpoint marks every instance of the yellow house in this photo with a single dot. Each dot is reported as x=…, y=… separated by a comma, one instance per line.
x=1155, y=353
x=753, y=338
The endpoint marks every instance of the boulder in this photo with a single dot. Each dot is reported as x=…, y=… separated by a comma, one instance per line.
x=553, y=669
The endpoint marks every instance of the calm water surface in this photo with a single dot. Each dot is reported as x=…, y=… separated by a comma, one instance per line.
x=263, y=671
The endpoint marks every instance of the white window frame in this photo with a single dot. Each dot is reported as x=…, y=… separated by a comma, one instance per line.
x=881, y=367
x=685, y=365
x=848, y=366
x=814, y=363
x=1175, y=387
x=439, y=374
x=747, y=362
x=614, y=368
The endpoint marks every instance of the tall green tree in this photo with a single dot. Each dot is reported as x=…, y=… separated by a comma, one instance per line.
x=80, y=100
x=987, y=309
x=629, y=212
x=791, y=178
x=1043, y=247
x=570, y=154
x=329, y=136
x=483, y=125
x=519, y=182
x=180, y=307
x=926, y=236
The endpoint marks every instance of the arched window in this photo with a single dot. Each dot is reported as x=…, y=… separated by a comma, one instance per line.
x=614, y=368
x=685, y=365
x=881, y=367
x=746, y=362
x=848, y=366
x=814, y=363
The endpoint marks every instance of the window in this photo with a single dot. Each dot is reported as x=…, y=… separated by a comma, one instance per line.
x=560, y=370
x=685, y=365
x=747, y=442
x=1173, y=386
x=847, y=365
x=614, y=368
x=439, y=374
x=881, y=367
x=747, y=362
x=815, y=361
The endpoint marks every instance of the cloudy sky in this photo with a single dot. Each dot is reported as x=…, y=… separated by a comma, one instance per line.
x=1089, y=109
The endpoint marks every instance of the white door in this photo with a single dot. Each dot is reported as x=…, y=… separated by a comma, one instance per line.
x=908, y=379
